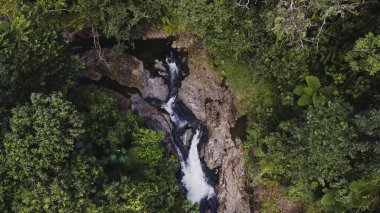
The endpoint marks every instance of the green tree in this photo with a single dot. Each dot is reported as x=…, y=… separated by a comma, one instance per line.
x=33, y=58
x=76, y=188
x=57, y=159
x=41, y=137
x=322, y=152
x=118, y=19
x=365, y=56
x=36, y=149
x=131, y=157
x=312, y=92
x=108, y=129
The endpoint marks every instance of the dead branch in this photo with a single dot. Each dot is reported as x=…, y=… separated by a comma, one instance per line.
x=57, y=10
x=243, y=3
x=319, y=33
x=98, y=47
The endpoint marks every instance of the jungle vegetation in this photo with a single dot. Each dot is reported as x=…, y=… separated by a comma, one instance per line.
x=306, y=73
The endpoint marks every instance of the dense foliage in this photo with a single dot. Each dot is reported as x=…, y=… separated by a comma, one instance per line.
x=32, y=58
x=57, y=158
x=306, y=73
x=307, y=76
x=63, y=150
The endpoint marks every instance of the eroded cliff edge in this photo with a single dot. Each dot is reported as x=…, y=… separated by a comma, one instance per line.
x=204, y=93
x=212, y=102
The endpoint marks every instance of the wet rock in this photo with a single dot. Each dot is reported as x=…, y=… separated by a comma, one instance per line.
x=159, y=65
x=153, y=119
x=88, y=73
x=126, y=69
x=154, y=87
x=187, y=136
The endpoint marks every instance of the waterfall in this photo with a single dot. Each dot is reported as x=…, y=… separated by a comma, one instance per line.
x=196, y=178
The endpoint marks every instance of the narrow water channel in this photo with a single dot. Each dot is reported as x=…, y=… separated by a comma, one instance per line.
x=196, y=178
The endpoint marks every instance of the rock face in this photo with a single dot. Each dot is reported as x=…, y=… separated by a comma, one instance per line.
x=154, y=119
x=214, y=104
x=154, y=87
x=126, y=69
x=202, y=92
x=185, y=41
x=148, y=31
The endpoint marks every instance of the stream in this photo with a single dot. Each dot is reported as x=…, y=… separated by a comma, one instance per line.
x=196, y=178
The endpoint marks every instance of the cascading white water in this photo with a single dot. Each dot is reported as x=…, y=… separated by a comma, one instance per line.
x=194, y=178
x=168, y=107
x=197, y=184
x=173, y=68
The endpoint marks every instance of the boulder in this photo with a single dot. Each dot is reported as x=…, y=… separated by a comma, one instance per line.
x=154, y=87
x=154, y=119
x=126, y=69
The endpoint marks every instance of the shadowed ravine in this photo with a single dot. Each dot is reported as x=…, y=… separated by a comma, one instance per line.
x=196, y=178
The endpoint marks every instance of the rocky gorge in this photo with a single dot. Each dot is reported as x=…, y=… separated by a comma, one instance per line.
x=202, y=91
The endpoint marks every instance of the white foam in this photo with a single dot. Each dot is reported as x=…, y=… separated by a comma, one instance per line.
x=168, y=107
x=194, y=179
x=173, y=68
